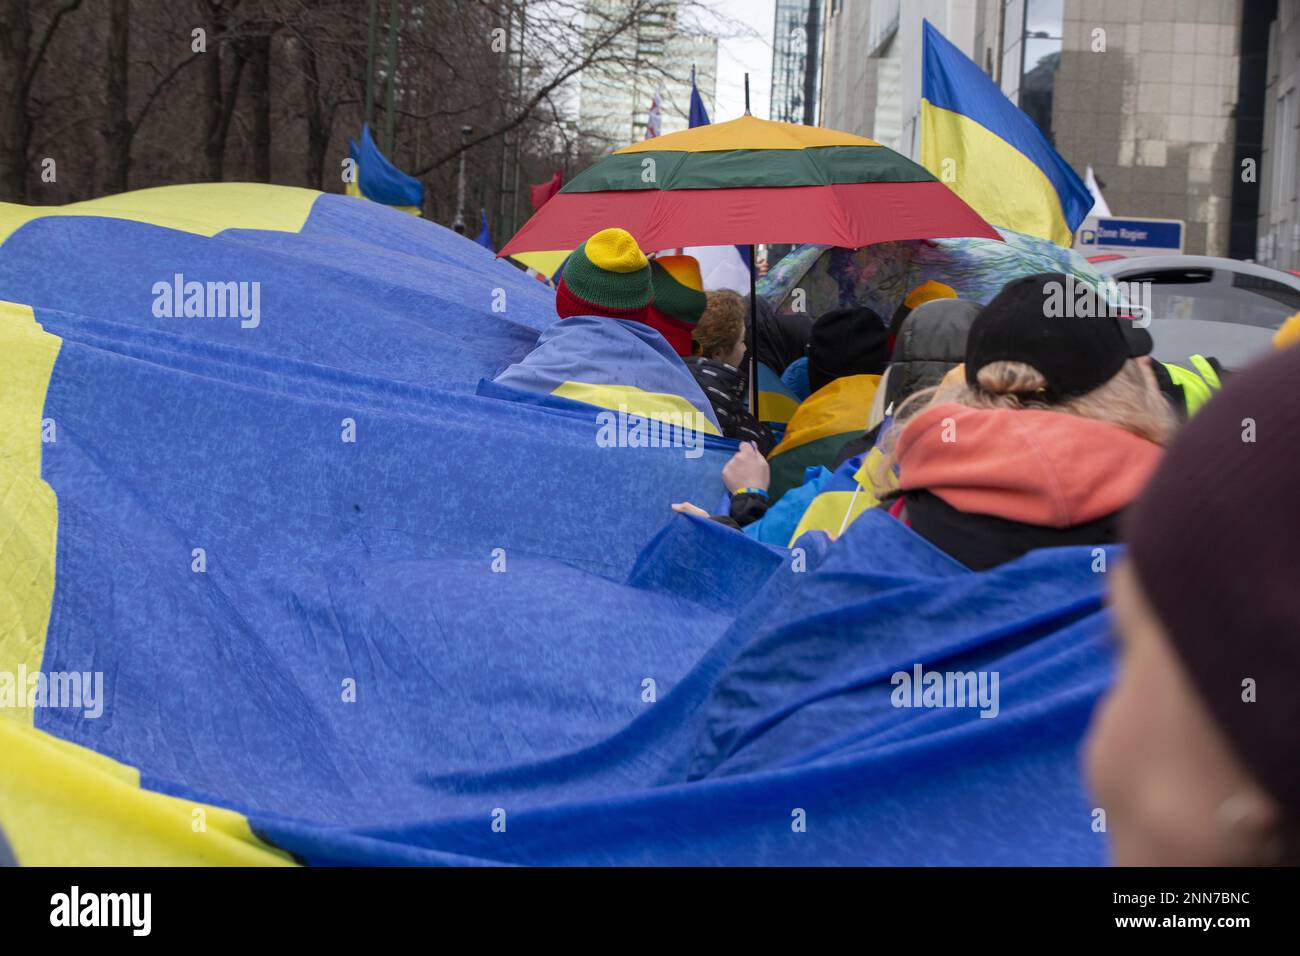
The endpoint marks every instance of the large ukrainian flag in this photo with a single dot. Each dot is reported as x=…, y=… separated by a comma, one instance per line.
x=1003, y=165
x=340, y=605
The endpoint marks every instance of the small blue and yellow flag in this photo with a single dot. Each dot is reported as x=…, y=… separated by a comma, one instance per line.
x=377, y=179
x=992, y=154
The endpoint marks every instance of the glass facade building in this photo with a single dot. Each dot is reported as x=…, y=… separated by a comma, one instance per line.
x=796, y=61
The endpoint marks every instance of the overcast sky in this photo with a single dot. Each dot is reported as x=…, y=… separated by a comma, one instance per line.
x=740, y=49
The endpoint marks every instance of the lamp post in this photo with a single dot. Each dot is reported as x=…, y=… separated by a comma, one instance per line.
x=519, y=92
x=459, y=224
x=370, y=61
x=392, y=77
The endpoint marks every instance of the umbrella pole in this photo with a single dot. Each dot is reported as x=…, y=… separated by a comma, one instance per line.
x=751, y=346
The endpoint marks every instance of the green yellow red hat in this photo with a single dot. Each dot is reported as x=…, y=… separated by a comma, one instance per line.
x=679, y=299
x=607, y=275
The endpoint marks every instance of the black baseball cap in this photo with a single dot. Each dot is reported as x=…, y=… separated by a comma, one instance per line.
x=1062, y=327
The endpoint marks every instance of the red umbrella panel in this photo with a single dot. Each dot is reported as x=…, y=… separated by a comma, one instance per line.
x=752, y=181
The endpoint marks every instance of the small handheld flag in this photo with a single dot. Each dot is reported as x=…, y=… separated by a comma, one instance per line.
x=484, y=237
x=377, y=179
x=539, y=193
x=699, y=116
x=653, y=123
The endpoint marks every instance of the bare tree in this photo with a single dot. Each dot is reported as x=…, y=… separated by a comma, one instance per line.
x=566, y=38
x=258, y=52
x=117, y=127
x=326, y=47
x=19, y=64
x=225, y=67
x=278, y=86
x=318, y=133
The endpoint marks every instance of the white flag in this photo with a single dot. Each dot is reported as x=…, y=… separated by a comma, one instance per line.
x=1099, y=206
x=721, y=268
x=653, y=125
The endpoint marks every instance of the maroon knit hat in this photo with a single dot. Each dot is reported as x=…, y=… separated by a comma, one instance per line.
x=1215, y=539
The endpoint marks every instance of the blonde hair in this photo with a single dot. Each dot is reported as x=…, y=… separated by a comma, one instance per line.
x=721, y=325
x=1131, y=399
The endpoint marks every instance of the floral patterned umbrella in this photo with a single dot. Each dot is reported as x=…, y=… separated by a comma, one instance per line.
x=880, y=276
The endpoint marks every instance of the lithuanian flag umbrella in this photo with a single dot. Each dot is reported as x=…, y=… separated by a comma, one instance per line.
x=751, y=181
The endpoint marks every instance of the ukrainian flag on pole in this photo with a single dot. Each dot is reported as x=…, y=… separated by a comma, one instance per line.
x=990, y=153
x=377, y=179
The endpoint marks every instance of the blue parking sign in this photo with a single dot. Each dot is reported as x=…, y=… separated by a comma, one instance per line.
x=1130, y=236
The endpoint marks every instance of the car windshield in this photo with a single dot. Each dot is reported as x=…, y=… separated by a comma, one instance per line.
x=1214, y=296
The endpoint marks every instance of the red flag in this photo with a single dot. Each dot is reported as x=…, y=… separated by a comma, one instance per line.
x=544, y=191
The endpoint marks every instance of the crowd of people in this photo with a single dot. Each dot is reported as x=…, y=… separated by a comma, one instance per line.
x=991, y=431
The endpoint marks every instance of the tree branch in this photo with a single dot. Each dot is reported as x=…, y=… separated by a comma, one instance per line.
x=25, y=89
x=153, y=95
x=542, y=93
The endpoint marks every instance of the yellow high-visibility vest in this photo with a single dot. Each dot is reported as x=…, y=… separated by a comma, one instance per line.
x=1197, y=385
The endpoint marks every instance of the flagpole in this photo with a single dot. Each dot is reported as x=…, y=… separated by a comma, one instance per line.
x=459, y=224
x=751, y=345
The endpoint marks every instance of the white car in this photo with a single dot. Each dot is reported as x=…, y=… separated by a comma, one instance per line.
x=1210, y=306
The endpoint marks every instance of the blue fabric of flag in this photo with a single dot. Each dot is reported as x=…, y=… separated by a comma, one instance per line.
x=699, y=116
x=378, y=179
x=601, y=351
x=484, y=237
x=530, y=636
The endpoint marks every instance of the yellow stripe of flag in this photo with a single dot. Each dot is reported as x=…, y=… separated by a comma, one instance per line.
x=998, y=181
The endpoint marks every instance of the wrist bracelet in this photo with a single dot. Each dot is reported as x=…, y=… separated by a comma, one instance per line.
x=761, y=492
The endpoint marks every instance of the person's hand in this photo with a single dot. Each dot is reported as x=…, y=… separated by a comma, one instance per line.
x=746, y=469
x=686, y=508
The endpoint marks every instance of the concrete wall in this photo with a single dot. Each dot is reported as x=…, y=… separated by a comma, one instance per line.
x=848, y=76
x=1153, y=114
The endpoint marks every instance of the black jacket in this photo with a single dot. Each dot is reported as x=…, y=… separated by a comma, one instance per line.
x=981, y=541
x=744, y=509
x=725, y=388
x=779, y=339
x=931, y=341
